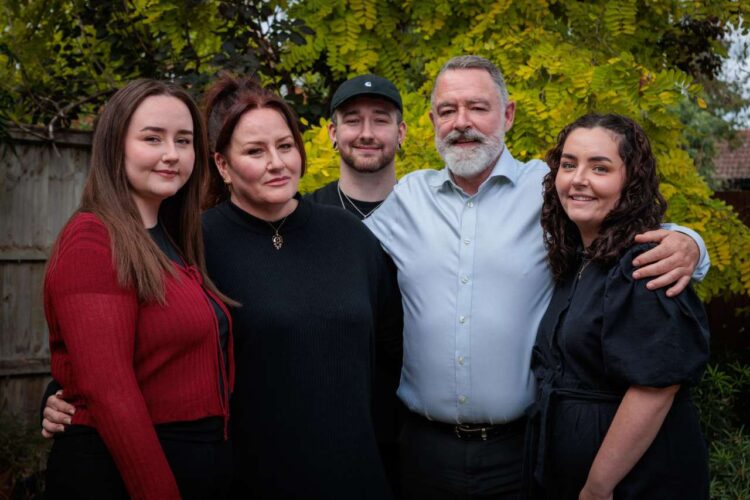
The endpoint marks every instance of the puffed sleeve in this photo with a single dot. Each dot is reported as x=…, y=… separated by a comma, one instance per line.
x=650, y=339
x=96, y=320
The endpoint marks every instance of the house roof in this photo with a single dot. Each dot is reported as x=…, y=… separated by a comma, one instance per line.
x=734, y=163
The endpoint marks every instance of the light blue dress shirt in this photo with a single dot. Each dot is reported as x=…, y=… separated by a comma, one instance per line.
x=475, y=284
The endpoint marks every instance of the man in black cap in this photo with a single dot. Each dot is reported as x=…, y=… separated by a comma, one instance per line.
x=367, y=129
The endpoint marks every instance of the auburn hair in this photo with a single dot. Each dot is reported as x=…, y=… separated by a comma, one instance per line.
x=224, y=103
x=107, y=194
x=640, y=208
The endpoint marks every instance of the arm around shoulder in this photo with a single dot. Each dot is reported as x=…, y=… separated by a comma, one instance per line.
x=650, y=339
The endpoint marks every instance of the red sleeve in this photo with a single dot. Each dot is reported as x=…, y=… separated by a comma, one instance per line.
x=96, y=319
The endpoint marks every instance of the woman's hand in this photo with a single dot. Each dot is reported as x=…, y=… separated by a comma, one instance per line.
x=591, y=493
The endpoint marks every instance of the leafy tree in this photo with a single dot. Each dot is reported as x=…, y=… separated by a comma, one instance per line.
x=59, y=60
x=561, y=59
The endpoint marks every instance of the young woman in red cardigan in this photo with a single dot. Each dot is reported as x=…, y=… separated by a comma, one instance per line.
x=139, y=336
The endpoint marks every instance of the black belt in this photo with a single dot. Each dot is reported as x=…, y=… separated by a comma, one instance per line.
x=477, y=431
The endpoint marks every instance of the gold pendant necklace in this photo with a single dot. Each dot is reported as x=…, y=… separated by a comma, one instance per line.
x=277, y=239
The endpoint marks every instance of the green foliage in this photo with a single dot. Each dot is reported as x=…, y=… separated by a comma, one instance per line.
x=729, y=462
x=59, y=60
x=721, y=400
x=561, y=59
x=23, y=453
x=649, y=60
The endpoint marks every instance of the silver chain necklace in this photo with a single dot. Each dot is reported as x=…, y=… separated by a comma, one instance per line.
x=343, y=195
x=277, y=239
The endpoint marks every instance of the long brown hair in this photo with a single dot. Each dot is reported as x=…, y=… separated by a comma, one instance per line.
x=640, y=207
x=226, y=100
x=107, y=194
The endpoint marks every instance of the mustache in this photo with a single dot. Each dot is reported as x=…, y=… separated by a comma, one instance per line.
x=463, y=136
x=367, y=143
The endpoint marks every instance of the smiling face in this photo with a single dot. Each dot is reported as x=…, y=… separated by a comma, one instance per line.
x=159, y=152
x=262, y=165
x=590, y=178
x=470, y=120
x=368, y=132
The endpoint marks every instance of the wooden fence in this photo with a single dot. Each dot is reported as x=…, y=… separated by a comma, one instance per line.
x=729, y=330
x=40, y=187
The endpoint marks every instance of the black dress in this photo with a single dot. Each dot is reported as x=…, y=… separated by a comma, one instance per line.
x=602, y=333
x=312, y=314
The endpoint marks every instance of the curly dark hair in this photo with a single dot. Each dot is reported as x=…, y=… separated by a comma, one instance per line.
x=640, y=208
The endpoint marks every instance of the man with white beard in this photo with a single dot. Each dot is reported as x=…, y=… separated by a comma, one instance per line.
x=468, y=245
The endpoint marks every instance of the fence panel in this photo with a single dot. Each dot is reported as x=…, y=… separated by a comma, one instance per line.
x=40, y=187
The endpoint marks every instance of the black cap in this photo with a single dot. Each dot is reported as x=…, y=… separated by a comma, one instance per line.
x=366, y=85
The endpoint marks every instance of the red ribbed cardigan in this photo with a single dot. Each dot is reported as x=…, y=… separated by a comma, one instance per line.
x=127, y=365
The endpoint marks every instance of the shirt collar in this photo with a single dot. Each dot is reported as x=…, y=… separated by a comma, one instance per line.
x=506, y=167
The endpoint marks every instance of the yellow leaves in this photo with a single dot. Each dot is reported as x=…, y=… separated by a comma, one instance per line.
x=322, y=160
x=619, y=17
x=560, y=62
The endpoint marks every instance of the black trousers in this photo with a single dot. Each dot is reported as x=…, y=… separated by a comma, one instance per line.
x=80, y=466
x=438, y=465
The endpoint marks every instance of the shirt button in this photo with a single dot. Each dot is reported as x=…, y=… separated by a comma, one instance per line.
x=467, y=241
x=470, y=204
x=462, y=319
x=461, y=360
x=464, y=279
x=462, y=399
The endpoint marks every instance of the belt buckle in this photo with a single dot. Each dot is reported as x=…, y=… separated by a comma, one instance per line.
x=459, y=428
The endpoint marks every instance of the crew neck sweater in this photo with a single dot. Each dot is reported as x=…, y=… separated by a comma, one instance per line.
x=312, y=313
x=128, y=365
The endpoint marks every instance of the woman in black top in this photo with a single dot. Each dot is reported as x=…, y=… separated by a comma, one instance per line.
x=317, y=296
x=613, y=360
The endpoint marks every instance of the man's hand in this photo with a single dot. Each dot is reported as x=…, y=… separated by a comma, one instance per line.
x=672, y=262
x=57, y=414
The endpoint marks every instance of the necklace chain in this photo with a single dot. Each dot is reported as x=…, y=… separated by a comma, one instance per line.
x=343, y=195
x=583, y=268
x=277, y=239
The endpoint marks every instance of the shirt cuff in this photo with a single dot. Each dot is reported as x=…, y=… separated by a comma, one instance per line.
x=704, y=262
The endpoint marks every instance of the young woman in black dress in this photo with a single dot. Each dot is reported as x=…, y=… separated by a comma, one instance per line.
x=613, y=360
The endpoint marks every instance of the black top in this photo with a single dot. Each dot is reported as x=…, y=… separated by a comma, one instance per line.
x=312, y=313
x=387, y=407
x=329, y=195
x=602, y=333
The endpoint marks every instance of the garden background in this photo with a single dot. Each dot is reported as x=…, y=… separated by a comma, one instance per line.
x=658, y=62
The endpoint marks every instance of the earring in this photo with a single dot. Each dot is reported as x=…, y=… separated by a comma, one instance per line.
x=335, y=146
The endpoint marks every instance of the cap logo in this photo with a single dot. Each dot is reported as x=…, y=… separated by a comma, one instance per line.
x=368, y=84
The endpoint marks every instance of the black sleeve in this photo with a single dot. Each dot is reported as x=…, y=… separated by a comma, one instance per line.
x=648, y=338
x=390, y=321
x=388, y=355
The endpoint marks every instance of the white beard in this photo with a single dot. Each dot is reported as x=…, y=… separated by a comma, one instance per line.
x=468, y=162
